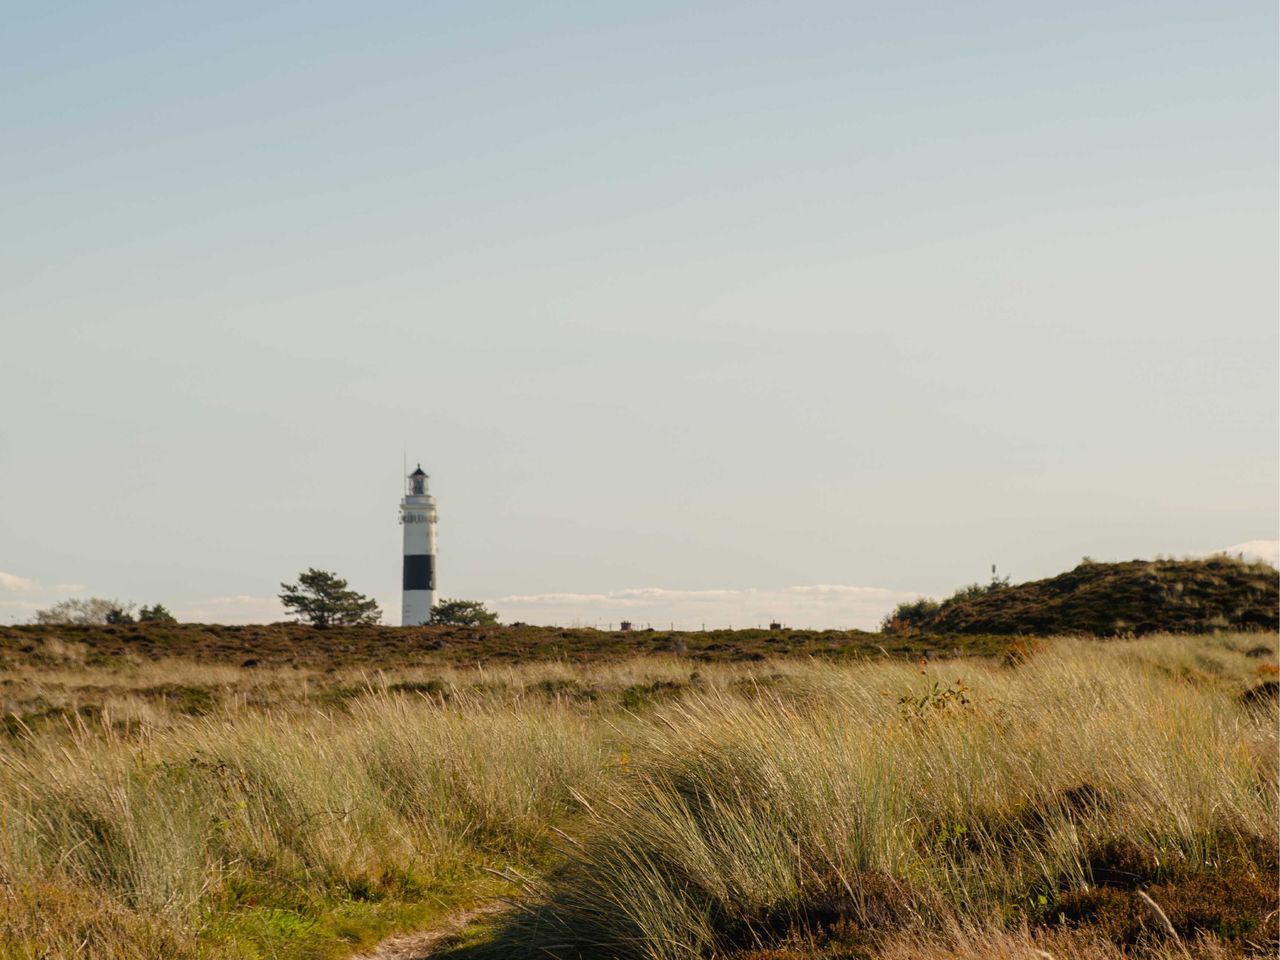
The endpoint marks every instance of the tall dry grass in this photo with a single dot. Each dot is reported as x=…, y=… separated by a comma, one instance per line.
x=884, y=797
x=130, y=829
x=397, y=797
x=705, y=812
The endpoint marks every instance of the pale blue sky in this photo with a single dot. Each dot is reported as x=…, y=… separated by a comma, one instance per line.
x=722, y=296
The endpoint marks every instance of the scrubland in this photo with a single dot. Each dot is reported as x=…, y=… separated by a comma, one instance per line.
x=1086, y=799
x=301, y=648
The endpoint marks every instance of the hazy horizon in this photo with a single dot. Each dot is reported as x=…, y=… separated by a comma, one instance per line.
x=694, y=315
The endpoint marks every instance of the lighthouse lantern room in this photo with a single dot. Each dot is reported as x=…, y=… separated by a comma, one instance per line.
x=418, y=516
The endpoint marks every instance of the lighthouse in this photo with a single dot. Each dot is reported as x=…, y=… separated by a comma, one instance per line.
x=418, y=516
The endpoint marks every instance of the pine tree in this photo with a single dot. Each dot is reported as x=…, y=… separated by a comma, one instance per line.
x=323, y=600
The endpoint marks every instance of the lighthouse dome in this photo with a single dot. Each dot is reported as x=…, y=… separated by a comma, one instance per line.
x=418, y=482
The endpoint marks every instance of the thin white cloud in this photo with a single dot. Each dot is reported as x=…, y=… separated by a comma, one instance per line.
x=842, y=590
x=646, y=594
x=18, y=608
x=1268, y=551
x=809, y=605
x=12, y=583
x=21, y=597
x=239, y=608
x=554, y=598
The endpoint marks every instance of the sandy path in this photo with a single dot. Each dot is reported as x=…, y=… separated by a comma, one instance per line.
x=422, y=944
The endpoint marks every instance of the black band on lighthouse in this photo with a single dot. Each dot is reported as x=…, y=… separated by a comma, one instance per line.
x=420, y=572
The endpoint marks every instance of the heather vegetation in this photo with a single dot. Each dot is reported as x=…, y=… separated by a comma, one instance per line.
x=1040, y=799
x=303, y=648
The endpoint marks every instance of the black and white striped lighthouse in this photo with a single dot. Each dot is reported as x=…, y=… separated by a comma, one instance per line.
x=418, y=516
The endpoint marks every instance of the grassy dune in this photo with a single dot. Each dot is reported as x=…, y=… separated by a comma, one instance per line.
x=1135, y=597
x=651, y=807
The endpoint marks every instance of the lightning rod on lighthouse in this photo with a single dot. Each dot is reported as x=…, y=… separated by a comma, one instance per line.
x=418, y=516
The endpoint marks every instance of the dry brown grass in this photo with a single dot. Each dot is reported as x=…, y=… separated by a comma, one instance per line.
x=1045, y=793
x=712, y=807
